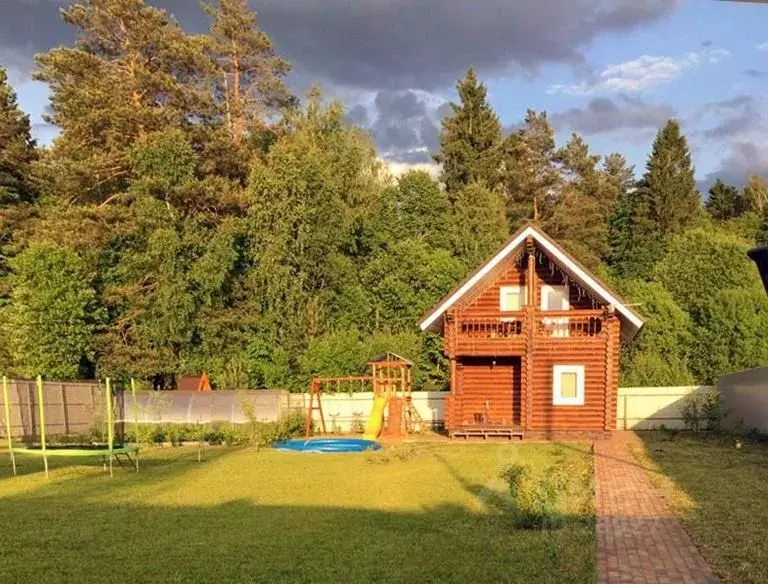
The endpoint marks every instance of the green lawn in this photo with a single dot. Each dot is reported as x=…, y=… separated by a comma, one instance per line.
x=437, y=513
x=720, y=493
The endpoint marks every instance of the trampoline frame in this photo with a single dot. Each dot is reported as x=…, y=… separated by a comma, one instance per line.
x=109, y=451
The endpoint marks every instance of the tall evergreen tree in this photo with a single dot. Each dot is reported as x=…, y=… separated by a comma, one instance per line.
x=664, y=203
x=17, y=148
x=470, y=141
x=619, y=176
x=249, y=81
x=530, y=174
x=131, y=71
x=670, y=201
x=578, y=215
x=725, y=201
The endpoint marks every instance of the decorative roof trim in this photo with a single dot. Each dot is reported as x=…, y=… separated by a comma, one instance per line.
x=556, y=253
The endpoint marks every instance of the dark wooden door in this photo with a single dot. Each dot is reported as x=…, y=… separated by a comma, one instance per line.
x=489, y=391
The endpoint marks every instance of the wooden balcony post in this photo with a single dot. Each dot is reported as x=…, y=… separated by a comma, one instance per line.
x=526, y=411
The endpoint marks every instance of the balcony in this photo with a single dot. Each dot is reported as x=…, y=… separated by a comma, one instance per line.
x=506, y=333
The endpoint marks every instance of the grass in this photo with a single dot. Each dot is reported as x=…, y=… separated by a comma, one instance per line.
x=429, y=512
x=720, y=493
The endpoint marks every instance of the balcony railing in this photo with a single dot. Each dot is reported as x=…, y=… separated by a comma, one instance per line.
x=512, y=326
x=491, y=327
x=569, y=324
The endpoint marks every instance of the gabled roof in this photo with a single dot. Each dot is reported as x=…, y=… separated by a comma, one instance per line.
x=560, y=256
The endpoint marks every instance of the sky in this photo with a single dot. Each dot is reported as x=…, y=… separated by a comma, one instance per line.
x=611, y=70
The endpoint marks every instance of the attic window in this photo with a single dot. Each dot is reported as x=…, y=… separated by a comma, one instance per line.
x=554, y=298
x=511, y=298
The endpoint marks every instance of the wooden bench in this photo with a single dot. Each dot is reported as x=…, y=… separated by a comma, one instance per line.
x=486, y=432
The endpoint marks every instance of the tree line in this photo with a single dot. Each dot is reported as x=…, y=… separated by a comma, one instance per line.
x=193, y=214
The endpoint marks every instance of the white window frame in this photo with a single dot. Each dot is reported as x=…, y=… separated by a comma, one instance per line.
x=522, y=292
x=548, y=288
x=557, y=398
x=556, y=327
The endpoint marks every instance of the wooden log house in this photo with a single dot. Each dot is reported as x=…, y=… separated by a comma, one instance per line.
x=533, y=340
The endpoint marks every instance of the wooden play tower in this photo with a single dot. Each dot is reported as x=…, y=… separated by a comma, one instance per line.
x=390, y=377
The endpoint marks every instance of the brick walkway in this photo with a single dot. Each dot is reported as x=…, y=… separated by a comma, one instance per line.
x=638, y=537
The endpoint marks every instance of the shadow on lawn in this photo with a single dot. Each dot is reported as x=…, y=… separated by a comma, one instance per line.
x=69, y=530
x=242, y=542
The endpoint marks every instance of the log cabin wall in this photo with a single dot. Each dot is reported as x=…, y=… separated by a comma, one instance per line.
x=550, y=352
x=477, y=331
x=489, y=389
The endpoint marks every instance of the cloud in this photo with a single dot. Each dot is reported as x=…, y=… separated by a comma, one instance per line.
x=602, y=115
x=357, y=115
x=736, y=118
x=640, y=74
x=755, y=73
x=404, y=124
x=738, y=125
x=394, y=44
x=762, y=46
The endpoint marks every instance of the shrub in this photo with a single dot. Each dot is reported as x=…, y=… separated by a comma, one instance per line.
x=703, y=411
x=535, y=500
x=290, y=425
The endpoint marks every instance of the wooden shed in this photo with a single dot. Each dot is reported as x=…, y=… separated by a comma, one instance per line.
x=533, y=340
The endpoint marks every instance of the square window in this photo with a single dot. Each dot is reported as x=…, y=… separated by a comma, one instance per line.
x=568, y=385
x=554, y=298
x=511, y=298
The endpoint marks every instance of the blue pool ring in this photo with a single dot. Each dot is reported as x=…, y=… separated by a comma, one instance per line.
x=326, y=445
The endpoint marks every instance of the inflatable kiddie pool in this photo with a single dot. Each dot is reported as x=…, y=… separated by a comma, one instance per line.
x=326, y=445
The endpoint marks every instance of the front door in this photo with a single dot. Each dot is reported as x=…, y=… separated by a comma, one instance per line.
x=489, y=391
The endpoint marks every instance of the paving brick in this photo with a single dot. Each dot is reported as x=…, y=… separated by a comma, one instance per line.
x=639, y=539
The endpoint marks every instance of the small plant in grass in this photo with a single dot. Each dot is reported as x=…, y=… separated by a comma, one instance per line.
x=377, y=457
x=535, y=500
x=403, y=452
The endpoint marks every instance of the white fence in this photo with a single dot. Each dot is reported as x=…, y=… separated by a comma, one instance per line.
x=645, y=408
x=344, y=411
x=639, y=408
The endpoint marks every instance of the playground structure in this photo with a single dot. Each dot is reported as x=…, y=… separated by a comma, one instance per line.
x=393, y=413
x=69, y=421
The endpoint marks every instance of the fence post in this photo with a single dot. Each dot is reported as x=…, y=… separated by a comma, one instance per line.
x=8, y=423
x=625, y=411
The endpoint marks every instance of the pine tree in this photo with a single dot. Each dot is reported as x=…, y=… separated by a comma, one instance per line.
x=725, y=201
x=530, y=174
x=470, y=141
x=620, y=177
x=664, y=203
x=132, y=71
x=250, y=76
x=17, y=148
x=670, y=201
x=585, y=198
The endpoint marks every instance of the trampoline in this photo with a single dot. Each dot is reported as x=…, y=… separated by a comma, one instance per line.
x=326, y=445
x=69, y=421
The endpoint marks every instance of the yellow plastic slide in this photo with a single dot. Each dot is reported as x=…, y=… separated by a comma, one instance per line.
x=376, y=419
